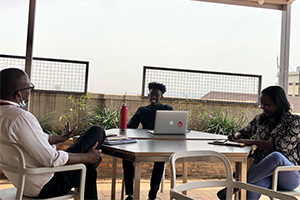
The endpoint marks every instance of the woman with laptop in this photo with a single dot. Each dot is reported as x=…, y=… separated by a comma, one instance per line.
x=277, y=136
x=145, y=115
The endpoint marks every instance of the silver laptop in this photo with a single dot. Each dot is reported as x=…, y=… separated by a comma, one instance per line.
x=170, y=122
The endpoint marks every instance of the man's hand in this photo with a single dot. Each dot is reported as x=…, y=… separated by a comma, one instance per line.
x=94, y=155
x=67, y=133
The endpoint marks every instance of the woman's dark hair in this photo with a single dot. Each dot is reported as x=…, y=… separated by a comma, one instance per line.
x=277, y=96
x=154, y=85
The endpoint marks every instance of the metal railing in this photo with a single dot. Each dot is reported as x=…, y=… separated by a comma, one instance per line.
x=52, y=75
x=204, y=85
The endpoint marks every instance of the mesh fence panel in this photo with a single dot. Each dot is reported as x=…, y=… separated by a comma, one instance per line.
x=203, y=85
x=52, y=74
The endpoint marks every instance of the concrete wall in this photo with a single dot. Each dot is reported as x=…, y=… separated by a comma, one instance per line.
x=43, y=103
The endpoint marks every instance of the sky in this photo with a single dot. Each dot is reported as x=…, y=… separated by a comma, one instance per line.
x=119, y=37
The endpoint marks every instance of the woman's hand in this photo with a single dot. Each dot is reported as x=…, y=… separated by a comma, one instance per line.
x=231, y=137
x=234, y=137
x=266, y=144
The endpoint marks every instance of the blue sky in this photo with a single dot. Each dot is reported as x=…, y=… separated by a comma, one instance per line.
x=119, y=37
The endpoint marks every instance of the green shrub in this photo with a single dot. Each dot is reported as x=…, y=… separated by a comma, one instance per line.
x=77, y=114
x=105, y=117
x=216, y=121
x=221, y=122
x=47, y=122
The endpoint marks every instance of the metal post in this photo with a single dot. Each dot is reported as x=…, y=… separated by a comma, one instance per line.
x=285, y=47
x=29, y=45
x=143, y=82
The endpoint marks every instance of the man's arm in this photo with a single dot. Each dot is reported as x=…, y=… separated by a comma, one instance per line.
x=135, y=120
x=29, y=134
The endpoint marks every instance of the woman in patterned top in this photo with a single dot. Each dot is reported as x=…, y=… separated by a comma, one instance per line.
x=277, y=134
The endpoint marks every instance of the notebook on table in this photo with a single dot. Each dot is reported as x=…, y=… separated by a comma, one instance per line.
x=113, y=140
x=170, y=122
x=227, y=142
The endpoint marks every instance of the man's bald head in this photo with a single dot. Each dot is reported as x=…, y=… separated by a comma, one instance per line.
x=11, y=80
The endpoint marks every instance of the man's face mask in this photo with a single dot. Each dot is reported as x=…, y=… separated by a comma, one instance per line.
x=22, y=104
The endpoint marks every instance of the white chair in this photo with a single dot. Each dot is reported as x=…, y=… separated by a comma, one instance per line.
x=22, y=171
x=229, y=183
x=275, y=179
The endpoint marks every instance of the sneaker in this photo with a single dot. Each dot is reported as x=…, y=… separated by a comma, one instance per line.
x=221, y=194
x=129, y=197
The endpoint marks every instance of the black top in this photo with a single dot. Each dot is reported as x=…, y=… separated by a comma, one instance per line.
x=146, y=116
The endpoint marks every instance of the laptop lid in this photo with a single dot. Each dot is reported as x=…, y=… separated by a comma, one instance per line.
x=171, y=122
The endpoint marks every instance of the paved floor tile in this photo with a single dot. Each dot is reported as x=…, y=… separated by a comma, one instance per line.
x=104, y=190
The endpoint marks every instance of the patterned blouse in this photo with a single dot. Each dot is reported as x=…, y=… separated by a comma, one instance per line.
x=285, y=136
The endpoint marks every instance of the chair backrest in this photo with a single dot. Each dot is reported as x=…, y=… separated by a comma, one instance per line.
x=22, y=171
x=278, y=169
x=197, y=155
x=229, y=183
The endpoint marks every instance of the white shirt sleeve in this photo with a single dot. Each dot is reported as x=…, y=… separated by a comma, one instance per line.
x=28, y=133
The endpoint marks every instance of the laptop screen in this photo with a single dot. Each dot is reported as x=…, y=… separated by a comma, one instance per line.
x=171, y=122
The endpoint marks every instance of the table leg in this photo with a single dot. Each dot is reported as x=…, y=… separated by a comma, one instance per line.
x=113, y=179
x=241, y=173
x=137, y=180
x=237, y=196
x=184, y=174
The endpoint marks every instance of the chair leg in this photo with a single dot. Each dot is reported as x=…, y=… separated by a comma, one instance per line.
x=162, y=186
x=76, y=190
x=184, y=175
x=123, y=188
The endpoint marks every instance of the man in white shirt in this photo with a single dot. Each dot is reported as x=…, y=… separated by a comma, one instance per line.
x=21, y=127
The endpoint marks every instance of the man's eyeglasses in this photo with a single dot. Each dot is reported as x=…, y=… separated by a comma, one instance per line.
x=31, y=87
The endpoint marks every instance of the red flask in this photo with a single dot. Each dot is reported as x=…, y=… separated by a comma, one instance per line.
x=123, y=119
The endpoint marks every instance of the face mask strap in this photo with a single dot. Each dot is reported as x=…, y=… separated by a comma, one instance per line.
x=22, y=104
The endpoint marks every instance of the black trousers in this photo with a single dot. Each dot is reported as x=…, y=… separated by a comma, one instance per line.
x=62, y=182
x=158, y=170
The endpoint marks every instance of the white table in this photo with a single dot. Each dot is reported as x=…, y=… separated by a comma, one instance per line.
x=159, y=150
x=144, y=134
